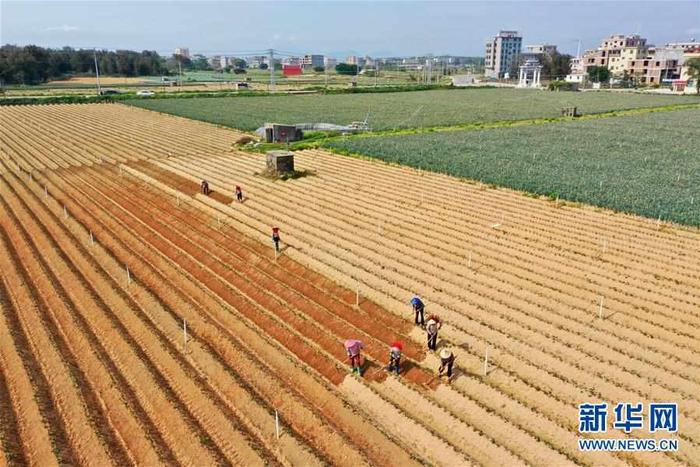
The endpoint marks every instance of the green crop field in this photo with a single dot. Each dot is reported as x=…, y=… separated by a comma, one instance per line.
x=402, y=109
x=645, y=164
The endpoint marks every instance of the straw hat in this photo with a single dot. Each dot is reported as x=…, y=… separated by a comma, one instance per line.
x=431, y=321
x=445, y=353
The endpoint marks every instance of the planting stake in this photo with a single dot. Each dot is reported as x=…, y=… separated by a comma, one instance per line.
x=46, y=193
x=128, y=276
x=658, y=222
x=486, y=361
x=357, y=295
x=65, y=212
x=277, y=424
x=692, y=198
x=600, y=308
x=92, y=238
x=184, y=334
x=218, y=221
x=30, y=177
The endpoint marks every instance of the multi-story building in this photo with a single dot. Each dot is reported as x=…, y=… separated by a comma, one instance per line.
x=690, y=45
x=614, y=52
x=257, y=60
x=329, y=62
x=540, y=49
x=632, y=57
x=576, y=72
x=653, y=69
x=292, y=60
x=356, y=60
x=686, y=79
x=502, y=52
x=312, y=61
x=219, y=62
x=184, y=51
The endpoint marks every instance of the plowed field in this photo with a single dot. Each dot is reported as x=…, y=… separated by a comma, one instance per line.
x=107, y=249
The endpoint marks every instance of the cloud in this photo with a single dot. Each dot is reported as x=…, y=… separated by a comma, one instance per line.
x=62, y=28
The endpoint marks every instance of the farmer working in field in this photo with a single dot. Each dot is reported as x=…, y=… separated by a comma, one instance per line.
x=432, y=329
x=205, y=187
x=276, y=238
x=447, y=359
x=239, y=194
x=395, y=357
x=353, y=347
x=418, y=308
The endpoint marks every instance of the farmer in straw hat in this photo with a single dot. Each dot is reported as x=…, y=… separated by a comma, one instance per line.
x=432, y=328
x=395, y=357
x=447, y=359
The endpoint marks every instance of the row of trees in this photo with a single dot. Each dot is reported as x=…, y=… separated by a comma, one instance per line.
x=34, y=65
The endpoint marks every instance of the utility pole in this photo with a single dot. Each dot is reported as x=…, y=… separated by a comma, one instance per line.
x=357, y=69
x=430, y=69
x=97, y=73
x=272, y=69
x=179, y=66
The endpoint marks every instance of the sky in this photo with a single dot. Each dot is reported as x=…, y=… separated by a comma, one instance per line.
x=339, y=28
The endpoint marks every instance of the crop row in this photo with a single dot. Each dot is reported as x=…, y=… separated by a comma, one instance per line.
x=402, y=109
x=256, y=196
x=58, y=187
x=642, y=164
x=480, y=396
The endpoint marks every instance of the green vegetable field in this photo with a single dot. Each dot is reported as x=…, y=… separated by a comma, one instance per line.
x=402, y=109
x=645, y=164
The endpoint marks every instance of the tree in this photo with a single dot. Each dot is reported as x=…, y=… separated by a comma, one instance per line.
x=201, y=63
x=558, y=66
x=514, y=68
x=240, y=63
x=33, y=65
x=263, y=66
x=346, y=69
x=599, y=74
x=319, y=69
x=693, y=66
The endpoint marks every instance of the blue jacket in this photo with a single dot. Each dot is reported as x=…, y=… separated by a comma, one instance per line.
x=415, y=301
